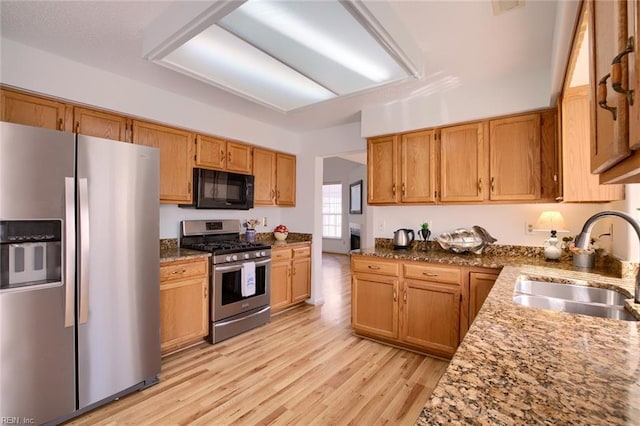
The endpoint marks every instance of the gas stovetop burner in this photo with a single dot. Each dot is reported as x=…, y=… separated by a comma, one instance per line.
x=230, y=246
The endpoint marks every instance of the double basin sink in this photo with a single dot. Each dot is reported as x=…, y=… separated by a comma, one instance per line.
x=571, y=298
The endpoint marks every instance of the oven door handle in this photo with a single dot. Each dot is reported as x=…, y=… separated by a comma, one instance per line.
x=237, y=267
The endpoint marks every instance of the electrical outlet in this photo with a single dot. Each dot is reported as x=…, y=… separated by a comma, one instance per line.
x=528, y=228
x=381, y=226
x=264, y=221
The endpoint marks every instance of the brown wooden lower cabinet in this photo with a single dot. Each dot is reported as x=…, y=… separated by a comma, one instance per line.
x=290, y=276
x=480, y=284
x=184, y=303
x=417, y=305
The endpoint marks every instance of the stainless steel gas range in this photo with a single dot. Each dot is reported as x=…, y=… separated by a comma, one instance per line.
x=240, y=285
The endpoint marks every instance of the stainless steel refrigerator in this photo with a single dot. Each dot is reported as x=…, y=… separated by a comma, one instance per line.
x=79, y=272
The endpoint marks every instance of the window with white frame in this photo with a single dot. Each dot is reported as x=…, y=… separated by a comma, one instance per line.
x=332, y=210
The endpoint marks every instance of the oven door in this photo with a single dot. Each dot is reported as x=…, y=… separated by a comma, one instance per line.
x=227, y=297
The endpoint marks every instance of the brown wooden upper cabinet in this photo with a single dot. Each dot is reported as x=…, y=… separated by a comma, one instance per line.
x=615, y=83
x=463, y=167
x=506, y=159
x=175, y=159
x=514, y=158
x=36, y=111
x=101, y=124
x=275, y=178
x=219, y=154
x=402, y=169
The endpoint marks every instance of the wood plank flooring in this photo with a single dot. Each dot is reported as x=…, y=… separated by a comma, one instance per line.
x=305, y=367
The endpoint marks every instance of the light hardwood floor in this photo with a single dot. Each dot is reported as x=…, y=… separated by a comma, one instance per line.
x=304, y=367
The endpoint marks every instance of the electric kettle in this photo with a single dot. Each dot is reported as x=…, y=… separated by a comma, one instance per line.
x=402, y=238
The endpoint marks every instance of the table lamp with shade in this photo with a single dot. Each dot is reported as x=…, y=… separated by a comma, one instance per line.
x=554, y=222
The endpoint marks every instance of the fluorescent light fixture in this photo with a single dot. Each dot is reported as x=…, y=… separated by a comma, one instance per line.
x=285, y=54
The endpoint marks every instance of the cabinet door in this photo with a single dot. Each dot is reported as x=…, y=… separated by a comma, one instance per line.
x=280, y=285
x=514, y=158
x=462, y=163
x=100, y=124
x=382, y=170
x=264, y=170
x=238, y=158
x=32, y=111
x=285, y=180
x=211, y=153
x=579, y=185
x=184, y=312
x=418, y=167
x=633, y=29
x=431, y=316
x=301, y=279
x=480, y=284
x=175, y=159
x=609, y=143
x=374, y=305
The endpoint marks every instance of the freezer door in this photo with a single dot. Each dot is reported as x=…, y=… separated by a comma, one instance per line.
x=37, y=374
x=118, y=210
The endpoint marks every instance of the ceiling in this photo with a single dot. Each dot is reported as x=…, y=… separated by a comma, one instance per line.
x=459, y=40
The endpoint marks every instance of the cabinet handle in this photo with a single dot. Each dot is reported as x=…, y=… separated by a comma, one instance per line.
x=429, y=274
x=602, y=97
x=221, y=155
x=205, y=291
x=403, y=189
x=77, y=127
x=616, y=72
x=273, y=194
x=404, y=296
x=395, y=295
x=288, y=272
x=59, y=123
x=182, y=271
x=393, y=188
x=189, y=188
x=294, y=270
x=374, y=267
x=277, y=195
x=493, y=186
x=229, y=156
x=479, y=184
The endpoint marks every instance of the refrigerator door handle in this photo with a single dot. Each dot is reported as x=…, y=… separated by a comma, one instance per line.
x=83, y=203
x=69, y=252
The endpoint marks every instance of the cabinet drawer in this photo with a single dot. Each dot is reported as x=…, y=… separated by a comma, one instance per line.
x=177, y=270
x=278, y=255
x=375, y=266
x=440, y=274
x=301, y=251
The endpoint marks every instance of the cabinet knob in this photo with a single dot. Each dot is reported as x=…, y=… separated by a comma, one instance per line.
x=393, y=189
x=602, y=97
x=404, y=296
x=493, y=186
x=60, y=124
x=479, y=184
x=616, y=72
x=403, y=189
x=221, y=155
x=395, y=295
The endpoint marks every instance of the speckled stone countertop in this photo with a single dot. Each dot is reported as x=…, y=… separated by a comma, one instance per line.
x=520, y=365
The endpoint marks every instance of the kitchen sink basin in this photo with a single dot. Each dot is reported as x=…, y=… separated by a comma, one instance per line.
x=576, y=299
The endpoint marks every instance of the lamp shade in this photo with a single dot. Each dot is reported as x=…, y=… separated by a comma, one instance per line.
x=550, y=221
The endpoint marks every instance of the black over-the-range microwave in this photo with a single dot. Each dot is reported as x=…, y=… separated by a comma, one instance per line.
x=213, y=189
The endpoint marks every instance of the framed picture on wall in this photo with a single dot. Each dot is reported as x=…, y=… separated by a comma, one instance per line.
x=355, y=198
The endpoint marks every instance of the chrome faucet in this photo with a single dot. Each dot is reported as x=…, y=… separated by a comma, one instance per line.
x=582, y=241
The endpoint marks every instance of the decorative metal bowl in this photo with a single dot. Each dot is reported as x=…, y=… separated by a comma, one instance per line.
x=465, y=240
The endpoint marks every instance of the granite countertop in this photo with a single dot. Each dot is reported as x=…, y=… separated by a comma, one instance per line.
x=169, y=254
x=520, y=365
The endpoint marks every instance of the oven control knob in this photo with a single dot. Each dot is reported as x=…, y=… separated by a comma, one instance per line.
x=246, y=255
x=234, y=257
x=227, y=259
x=263, y=253
x=257, y=254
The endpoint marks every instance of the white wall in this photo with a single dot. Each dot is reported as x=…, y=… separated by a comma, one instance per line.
x=458, y=102
x=338, y=170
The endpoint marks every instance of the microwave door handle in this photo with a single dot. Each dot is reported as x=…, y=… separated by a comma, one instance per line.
x=69, y=252
x=83, y=199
